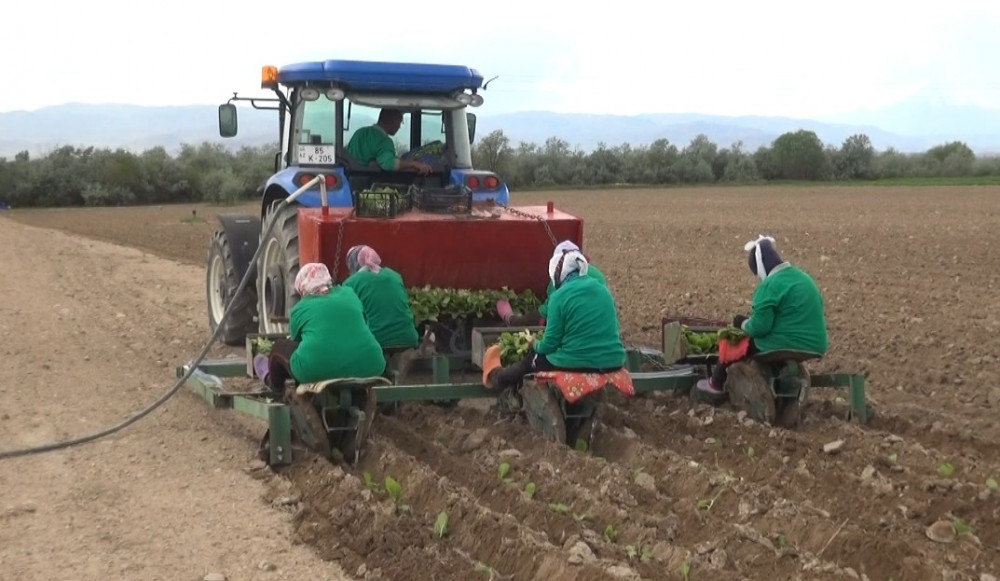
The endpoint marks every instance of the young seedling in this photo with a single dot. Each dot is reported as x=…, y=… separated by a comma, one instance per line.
x=894, y=457
x=991, y=483
x=686, y=571
x=647, y=554
x=750, y=452
x=370, y=483
x=503, y=471
x=529, y=490
x=706, y=504
x=946, y=469
x=395, y=490
x=611, y=533
x=581, y=445
x=441, y=524
x=581, y=517
x=630, y=551
x=961, y=526
x=559, y=507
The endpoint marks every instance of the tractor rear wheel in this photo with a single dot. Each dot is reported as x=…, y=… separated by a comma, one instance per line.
x=279, y=264
x=221, y=283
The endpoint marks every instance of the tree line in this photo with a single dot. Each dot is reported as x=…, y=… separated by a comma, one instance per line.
x=75, y=176
x=798, y=155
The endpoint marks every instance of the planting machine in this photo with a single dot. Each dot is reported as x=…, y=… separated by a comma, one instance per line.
x=451, y=231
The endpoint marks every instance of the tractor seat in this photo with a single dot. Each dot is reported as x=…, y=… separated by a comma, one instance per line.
x=782, y=355
x=356, y=382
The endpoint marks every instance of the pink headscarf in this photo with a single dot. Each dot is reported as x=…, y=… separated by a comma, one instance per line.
x=313, y=279
x=362, y=256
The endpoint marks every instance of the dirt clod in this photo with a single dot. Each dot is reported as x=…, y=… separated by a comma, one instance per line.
x=942, y=531
x=833, y=447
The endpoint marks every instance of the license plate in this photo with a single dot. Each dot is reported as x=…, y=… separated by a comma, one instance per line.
x=316, y=154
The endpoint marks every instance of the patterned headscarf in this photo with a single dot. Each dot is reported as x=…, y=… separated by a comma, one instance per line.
x=313, y=279
x=565, y=263
x=362, y=256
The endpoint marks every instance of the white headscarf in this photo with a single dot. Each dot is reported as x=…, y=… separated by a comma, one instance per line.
x=563, y=246
x=755, y=245
x=572, y=261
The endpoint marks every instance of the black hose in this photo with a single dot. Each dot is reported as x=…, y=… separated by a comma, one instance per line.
x=174, y=389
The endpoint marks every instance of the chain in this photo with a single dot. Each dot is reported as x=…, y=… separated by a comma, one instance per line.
x=545, y=223
x=340, y=245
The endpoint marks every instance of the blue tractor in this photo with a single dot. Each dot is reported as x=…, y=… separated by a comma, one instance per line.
x=320, y=105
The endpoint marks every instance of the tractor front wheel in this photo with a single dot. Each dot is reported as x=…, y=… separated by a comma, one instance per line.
x=279, y=264
x=221, y=283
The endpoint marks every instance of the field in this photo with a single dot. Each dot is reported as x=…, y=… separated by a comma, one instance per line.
x=911, y=280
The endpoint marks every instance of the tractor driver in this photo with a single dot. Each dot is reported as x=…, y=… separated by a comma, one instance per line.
x=374, y=143
x=787, y=312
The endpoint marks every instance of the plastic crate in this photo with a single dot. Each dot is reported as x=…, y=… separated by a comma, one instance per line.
x=381, y=201
x=674, y=345
x=484, y=337
x=452, y=199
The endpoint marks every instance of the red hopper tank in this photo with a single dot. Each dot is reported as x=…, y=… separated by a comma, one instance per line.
x=506, y=249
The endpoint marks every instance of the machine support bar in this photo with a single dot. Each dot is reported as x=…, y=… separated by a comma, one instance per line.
x=279, y=434
x=399, y=393
x=854, y=383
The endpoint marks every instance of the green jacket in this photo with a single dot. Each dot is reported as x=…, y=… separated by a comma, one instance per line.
x=387, y=306
x=334, y=340
x=788, y=313
x=592, y=271
x=581, y=331
x=372, y=143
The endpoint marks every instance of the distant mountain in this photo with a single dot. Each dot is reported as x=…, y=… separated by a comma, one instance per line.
x=933, y=119
x=131, y=127
x=914, y=125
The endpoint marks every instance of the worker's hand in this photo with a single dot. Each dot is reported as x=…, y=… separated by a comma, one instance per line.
x=420, y=167
x=738, y=321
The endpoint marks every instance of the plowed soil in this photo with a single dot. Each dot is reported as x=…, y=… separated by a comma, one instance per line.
x=911, y=280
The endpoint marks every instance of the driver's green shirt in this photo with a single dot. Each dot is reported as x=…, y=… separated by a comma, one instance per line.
x=372, y=143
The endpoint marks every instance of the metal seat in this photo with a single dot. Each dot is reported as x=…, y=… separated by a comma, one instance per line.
x=341, y=382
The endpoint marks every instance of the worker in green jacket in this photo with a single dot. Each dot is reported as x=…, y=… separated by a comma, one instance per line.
x=329, y=336
x=538, y=316
x=581, y=333
x=787, y=312
x=384, y=296
x=374, y=143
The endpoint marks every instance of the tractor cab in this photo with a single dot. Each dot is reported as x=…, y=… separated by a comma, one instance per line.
x=322, y=105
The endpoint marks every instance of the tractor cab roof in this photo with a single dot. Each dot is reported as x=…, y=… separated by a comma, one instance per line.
x=383, y=76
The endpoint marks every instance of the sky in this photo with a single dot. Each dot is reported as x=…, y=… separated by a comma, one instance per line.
x=767, y=57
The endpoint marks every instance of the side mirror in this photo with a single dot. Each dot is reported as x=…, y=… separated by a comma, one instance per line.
x=471, y=119
x=227, y=120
